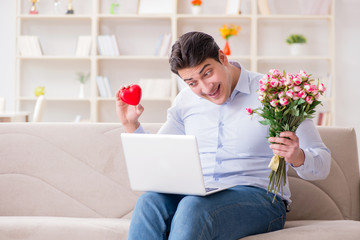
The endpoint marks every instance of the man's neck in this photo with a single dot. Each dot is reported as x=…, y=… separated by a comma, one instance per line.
x=235, y=75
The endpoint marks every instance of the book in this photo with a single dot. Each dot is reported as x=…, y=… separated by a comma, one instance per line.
x=101, y=86
x=158, y=45
x=29, y=46
x=165, y=45
x=155, y=88
x=107, y=45
x=155, y=7
x=83, y=46
x=263, y=6
x=108, y=88
x=104, y=86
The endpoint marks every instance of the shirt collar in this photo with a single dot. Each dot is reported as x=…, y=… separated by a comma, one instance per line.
x=243, y=81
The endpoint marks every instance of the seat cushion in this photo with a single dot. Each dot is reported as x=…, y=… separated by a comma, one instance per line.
x=319, y=230
x=59, y=228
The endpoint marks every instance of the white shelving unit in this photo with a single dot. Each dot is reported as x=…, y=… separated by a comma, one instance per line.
x=259, y=46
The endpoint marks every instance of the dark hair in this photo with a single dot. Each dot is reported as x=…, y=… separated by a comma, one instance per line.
x=191, y=49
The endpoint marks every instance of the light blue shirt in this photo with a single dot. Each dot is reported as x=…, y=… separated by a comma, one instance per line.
x=233, y=145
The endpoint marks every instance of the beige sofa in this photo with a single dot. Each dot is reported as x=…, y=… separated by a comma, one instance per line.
x=68, y=181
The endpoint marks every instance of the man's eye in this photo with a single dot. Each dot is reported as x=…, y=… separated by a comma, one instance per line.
x=207, y=73
x=191, y=84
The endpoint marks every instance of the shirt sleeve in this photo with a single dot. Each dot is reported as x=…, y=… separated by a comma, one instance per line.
x=317, y=155
x=174, y=123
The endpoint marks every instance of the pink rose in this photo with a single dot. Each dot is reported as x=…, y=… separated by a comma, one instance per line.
x=274, y=82
x=313, y=89
x=274, y=102
x=284, y=101
x=281, y=94
x=264, y=80
x=290, y=93
x=297, y=88
x=322, y=88
x=309, y=99
x=303, y=74
x=307, y=87
x=297, y=80
x=262, y=88
x=275, y=72
x=249, y=111
x=288, y=80
x=302, y=94
x=261, y=98
x=295, y=96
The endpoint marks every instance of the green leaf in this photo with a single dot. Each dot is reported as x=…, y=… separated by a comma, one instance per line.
x=265, y=122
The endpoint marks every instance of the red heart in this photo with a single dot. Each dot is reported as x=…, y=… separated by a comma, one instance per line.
x=131, y=94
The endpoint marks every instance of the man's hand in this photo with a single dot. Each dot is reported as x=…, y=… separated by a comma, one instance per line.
x=287, y=146
x=128, y=114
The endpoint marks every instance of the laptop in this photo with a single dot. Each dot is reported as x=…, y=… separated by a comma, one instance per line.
x=167, y=164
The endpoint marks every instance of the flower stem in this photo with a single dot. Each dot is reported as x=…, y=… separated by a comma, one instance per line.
x=277, y=179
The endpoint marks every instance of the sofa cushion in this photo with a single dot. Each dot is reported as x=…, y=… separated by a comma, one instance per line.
x=60, y=228
x=319, y=230
x=337, y=196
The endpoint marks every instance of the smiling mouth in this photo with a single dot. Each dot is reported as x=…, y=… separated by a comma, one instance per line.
x=215, y=93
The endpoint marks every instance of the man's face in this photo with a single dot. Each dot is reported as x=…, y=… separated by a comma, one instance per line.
x=210, y=80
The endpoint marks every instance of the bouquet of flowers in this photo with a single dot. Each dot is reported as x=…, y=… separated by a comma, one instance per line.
x=287, y=100
x=196, y=2
x=227, y=32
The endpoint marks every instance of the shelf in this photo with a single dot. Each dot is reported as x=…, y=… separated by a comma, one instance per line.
x=135, y=16
x=56, y=99
x=294, y=17
x=129, y=57
x=55, y=17
x=213, y=16
x=53, y=58
x=259, y=46
x=142, y=100
x=294, y=58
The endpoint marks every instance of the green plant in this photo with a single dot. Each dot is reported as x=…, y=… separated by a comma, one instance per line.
x=83, y=77
x=296, y=38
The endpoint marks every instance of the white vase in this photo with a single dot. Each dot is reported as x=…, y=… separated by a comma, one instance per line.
x=297, y=49
x=82, y=90
x=196, y=10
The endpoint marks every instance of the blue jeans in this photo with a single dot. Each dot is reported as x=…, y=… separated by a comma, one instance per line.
x=231, y=214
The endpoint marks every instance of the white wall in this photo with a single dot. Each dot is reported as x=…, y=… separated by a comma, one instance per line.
x=347, y=65
x=347, y=60
x=7, y=52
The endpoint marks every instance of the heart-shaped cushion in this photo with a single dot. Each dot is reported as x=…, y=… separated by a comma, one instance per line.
x=131, y=94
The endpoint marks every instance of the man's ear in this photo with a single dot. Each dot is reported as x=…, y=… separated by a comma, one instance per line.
x=222, y=57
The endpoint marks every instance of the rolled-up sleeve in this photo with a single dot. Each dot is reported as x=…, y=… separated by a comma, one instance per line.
x=317, y=155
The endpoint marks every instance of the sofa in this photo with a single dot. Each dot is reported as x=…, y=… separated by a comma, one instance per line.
x=69, y=181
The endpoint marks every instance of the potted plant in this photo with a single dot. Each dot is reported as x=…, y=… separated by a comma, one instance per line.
x=296, y=43
x=82, y=77
x=226, y=32
x=196, y=6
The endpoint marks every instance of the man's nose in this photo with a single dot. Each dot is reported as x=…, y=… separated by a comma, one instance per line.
x=206, y=88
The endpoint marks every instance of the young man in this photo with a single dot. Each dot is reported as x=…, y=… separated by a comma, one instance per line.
x=233, y=148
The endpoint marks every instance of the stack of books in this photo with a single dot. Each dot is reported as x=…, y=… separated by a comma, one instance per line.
x=107, y=45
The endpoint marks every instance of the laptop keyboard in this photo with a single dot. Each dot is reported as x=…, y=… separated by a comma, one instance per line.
x=210, y=189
